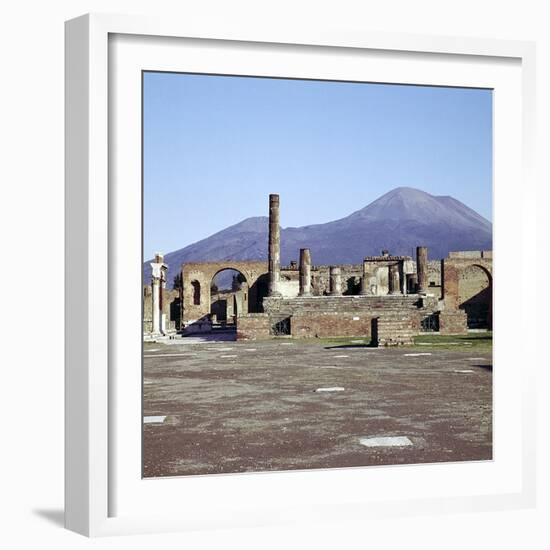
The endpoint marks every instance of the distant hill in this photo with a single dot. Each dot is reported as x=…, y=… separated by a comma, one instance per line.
x=398, y=221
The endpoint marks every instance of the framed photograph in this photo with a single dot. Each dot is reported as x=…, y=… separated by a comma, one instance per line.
x=292, y=289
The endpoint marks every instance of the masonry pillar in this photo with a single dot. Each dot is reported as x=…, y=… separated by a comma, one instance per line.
x=422, y=269
x=394, y=283
x=274, y=251
x=365, y=280
x=335, y=275
x=305, y=272
x=158, y=283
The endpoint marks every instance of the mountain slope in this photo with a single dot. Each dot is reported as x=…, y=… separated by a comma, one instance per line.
x=398, y=221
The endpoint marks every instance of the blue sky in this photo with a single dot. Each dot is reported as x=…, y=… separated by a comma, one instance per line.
x=216, y=146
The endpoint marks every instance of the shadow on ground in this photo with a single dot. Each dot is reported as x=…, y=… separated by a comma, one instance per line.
x=55, y=516
x=348, y=346
x=486, y=367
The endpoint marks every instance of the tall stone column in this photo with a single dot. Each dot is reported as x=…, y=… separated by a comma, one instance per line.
x=274, y=251
x=158, y=283
x=394, y=282
x=335, y=275
x=365, y=280
x=305, y=272
x=422, y=268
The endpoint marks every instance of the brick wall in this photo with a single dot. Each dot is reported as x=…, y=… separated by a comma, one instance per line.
x=322, y=325
x=254, y=326
x=341, y=304
x=453, y=322
x=395, y=330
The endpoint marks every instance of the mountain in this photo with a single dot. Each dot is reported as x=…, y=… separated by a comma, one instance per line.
x=398, y=221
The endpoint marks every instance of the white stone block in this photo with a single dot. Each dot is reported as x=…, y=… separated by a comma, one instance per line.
x=388, y=441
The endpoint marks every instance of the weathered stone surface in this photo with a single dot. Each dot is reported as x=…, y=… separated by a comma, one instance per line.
x=394, y=280
x=326, y=324
x=170, y=307
x=468, y=286
x=335, y=281
x=274, y=245
x=453, y=322
x=305, y=272
x=227, y=409
x=422, y=269
x=395, y=330
x=197, y=280
x=254, y=326
x=384, y=291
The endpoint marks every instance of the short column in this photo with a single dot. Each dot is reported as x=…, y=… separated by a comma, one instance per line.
x=335, y=276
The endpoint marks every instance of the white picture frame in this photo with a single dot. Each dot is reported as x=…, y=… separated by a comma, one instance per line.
x=95, y=425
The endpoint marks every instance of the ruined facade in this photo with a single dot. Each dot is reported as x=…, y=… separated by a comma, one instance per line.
x=387, y=299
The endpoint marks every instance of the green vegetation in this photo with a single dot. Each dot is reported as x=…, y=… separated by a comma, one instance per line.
x=479, y=341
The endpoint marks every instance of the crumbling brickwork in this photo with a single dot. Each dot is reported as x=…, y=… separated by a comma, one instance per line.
x=326, y=324
x=197, y=280
x=453, y=322
x=395, y=330
x=468, y=286
x=388, y=298
x=254, y=326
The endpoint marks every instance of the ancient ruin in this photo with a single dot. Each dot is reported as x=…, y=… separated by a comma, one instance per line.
x=387, y=299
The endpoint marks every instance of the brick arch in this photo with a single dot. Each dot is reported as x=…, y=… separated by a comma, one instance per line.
x=204, y=273
x=476, y=301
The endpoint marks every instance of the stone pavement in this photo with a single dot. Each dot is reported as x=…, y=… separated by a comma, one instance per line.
x=224, y=406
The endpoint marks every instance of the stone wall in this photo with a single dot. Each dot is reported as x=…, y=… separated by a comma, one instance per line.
x=453, y=322
x=351, y=279
x=471, y=254
x=468, y=286
x=197, y=279
x=254, y=326
x=388, y=320
x=434, y=278
x=395, y=330
x=323, y=325
x=342, y=304
x=170, y=307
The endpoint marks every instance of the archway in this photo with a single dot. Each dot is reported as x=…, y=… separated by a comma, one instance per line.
x=229, y=296
x=475, y=289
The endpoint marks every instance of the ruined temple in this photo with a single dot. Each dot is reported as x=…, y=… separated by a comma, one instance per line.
x=387, y=299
